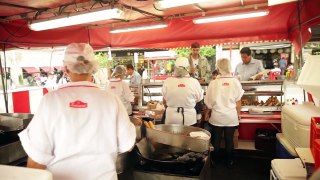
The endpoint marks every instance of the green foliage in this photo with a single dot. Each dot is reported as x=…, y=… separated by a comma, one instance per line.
x=184, y=52
x=102, y=58
x=208, y=52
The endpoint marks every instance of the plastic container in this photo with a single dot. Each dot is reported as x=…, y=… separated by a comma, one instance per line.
x=284, y=149
x=265, y=139
x=287, y=169
x=316, y=153
x=296, y=122
x=22, y=173
x=314, y=130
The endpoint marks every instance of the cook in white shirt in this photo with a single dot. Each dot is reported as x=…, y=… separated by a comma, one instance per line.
x=180, y=94
x=223, y=99
x=121, y=88
x=78, y=129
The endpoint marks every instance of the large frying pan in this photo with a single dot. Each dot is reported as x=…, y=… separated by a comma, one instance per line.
x=160, y=156
x=11, y=124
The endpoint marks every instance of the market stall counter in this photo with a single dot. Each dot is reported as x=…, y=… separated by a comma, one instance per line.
x=22, y=100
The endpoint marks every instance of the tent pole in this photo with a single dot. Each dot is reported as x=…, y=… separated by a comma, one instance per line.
x=300, y=36
x=4, y=86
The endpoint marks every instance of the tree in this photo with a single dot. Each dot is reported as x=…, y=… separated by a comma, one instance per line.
x=208, y=52
x=102, y=58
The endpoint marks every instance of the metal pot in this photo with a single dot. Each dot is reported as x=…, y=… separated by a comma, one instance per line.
x=178, y=136
x=123, y=162
x=160, y=156
x=11, y=124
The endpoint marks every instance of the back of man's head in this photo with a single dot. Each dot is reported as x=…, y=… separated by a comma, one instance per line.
x=246, y=50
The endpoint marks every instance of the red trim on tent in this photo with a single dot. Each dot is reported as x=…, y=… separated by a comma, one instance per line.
x=31, y=70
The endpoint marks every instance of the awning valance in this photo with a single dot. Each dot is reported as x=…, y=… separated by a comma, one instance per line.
x=59, y=68
x=30, y=70
x=46, y=69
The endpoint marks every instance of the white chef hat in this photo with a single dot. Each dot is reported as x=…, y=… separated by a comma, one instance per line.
x=118, y=70
x=182, y=62
x=79, y=58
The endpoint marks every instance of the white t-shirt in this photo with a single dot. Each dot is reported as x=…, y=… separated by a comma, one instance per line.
x=221, y=96
x=181, y=92
x=122, y=90
x=77, y=132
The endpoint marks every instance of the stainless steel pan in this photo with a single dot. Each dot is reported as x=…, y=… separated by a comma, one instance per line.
x=178, y=136
x=166, y=157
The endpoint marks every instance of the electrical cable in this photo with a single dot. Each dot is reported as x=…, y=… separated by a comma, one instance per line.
x=3, y=78
x=14, y=33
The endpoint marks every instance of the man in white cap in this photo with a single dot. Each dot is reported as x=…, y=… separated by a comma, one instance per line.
x=121, y=88
x=180, y=95
x=78, y=130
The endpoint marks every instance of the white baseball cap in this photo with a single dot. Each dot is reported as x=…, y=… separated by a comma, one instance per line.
x=182, y=62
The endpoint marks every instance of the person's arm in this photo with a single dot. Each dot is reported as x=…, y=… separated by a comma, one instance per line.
x=164, y=102
x=238, y=107
x=138, y=78
x=260, y=69
x=32, y=164
x=207, y=114
x=208, y=73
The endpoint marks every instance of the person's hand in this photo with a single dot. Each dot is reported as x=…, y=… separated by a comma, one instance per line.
x=207, y=116
x=201, y=80
x=259, y=76
x=193, y=70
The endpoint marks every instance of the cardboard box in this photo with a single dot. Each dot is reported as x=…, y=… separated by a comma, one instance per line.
x=152, y=104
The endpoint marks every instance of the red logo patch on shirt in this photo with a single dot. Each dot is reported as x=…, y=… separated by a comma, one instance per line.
x=225, y=84
x=181, y=85
x=113, y=87
x=78, y=104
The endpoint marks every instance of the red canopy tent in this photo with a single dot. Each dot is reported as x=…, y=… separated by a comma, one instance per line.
x=281, y=24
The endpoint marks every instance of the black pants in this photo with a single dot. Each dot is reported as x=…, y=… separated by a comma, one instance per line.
x=216, y=136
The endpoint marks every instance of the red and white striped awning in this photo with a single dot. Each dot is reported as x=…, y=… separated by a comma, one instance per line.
x=30, y=70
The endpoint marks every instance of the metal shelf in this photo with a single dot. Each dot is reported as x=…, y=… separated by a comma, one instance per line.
x=262, y=83
x=270, y=108
x=152, y=94
x=263, y=93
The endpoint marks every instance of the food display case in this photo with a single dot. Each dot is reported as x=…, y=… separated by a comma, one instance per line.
x=261, y=106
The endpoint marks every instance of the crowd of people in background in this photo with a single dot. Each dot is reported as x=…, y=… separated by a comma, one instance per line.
x=50, y=79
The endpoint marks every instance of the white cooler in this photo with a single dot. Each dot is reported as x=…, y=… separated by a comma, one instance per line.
x=295, y=123
x=287, y=169
x=283, y=141
x=22, y=173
